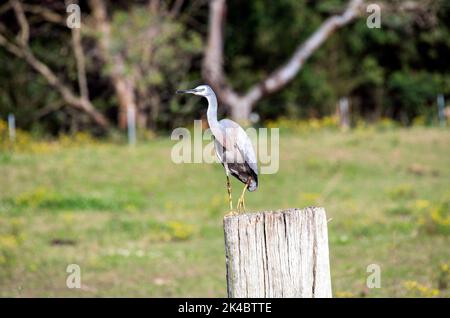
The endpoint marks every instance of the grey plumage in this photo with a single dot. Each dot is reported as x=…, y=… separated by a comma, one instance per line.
x=238, y=146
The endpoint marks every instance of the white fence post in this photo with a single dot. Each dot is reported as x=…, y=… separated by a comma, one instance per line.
x=131, y=125
x=12, y=127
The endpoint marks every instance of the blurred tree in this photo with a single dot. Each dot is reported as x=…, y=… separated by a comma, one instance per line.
x=144, y=49
x=20, y=47
x=357, y=61
x=241, y=105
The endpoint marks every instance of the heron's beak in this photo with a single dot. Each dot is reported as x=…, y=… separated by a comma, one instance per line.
x=187, y=91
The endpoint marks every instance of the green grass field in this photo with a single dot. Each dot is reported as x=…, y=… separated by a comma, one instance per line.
x=140, y=225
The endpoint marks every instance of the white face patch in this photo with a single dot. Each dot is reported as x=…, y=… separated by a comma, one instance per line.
x=202, y=90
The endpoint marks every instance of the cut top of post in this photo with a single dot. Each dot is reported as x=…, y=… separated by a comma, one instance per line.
x=278, y=254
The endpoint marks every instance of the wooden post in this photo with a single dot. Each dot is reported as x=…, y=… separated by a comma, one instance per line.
x=278, y=254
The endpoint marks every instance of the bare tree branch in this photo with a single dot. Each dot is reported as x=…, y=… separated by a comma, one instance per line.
x=67, y=94
x=22, y=19
x=79, y=57
x=81, y=65
x=289, y=70
x=176, y=7
x=46, y=13
x=12, y=48
x=213, y=61
x=50, y=108
x=22, y=50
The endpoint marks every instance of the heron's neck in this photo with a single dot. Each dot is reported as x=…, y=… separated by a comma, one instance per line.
x=211, y=114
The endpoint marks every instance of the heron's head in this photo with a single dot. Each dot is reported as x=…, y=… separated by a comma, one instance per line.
x=202, y=90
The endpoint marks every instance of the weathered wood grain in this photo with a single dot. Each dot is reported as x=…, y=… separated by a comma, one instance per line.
x=278, y=254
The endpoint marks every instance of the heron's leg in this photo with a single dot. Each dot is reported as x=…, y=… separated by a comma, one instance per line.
x=230, y=199
x=243, y=196
x=241, y=202
x=231, y=213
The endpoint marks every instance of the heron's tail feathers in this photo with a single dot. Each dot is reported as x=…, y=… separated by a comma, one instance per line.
x=253, y=185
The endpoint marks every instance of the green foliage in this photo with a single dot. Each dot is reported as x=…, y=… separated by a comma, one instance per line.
x=11, y=240
x=414, y=93
x=436, y=219
x=26, y=142
x=444, y=276
x=416, y=289
x=395, y=71
x=158, y=51
x=153, y=231
x=156, y=48
x=305, y=126
x=44, y=198
x=402, y=191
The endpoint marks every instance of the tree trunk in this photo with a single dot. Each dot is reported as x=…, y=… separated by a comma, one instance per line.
x=125, y=95
x=124, y=85
x=240, y=111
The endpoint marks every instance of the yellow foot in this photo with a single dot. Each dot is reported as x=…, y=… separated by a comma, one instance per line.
x=241, y=202
x=240, y=208
x=232, y=213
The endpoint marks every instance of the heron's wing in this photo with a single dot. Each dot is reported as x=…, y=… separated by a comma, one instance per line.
x=240, y=140
x=248, y=153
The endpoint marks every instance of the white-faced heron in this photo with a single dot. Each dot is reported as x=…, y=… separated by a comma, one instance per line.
x=233, y=147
